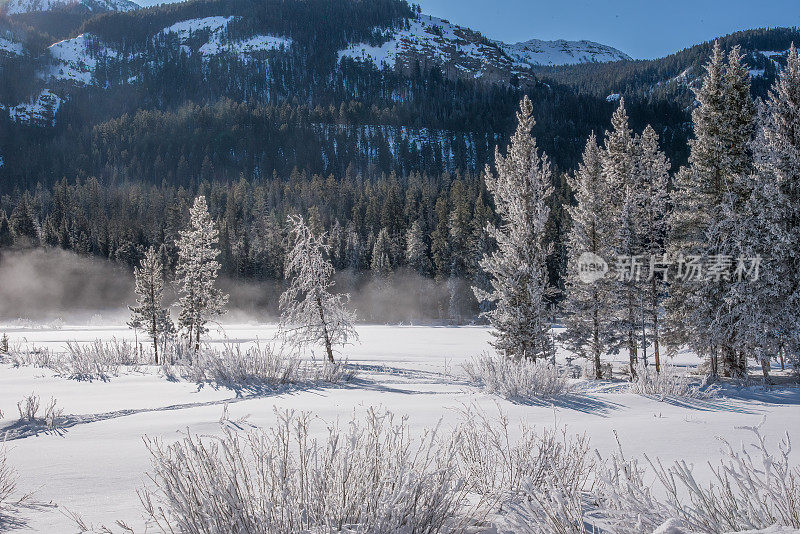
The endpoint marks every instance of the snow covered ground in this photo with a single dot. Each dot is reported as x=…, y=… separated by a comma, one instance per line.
x=94, y=465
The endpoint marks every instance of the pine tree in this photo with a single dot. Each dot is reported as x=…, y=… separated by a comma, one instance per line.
x=148, y=312
x=588, y=305
x=310, y=313
x=416, y=251
x=619, y=174
x=381, y=264
x=700, y=225
x=22, y=224
x=517, y=268
x=197, y=272
x=768, y=321
x=6, y=238
x=652, y=170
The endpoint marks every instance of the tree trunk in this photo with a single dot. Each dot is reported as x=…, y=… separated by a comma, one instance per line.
x=197, y=339
x=155, y=338
x=325, y=334
x=598, y=372
x=654, y=304
x=714, y=363
x=632, y=352
x=764, y=366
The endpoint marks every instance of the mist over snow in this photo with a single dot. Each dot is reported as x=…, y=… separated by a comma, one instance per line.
x=47, y=284
x=43, y=285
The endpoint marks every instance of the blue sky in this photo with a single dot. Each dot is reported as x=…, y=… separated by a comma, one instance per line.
x=641, y=28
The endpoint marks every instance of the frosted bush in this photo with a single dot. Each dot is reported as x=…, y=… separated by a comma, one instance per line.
x=332, y=373
x=371, y=477
x=257, y=365
x=669, y=383
x=755, y=487
x=540, y=478
x=97, y=359
x=491, y=460
x=29, y=411
x=8, y=480
x=606, y=370
x=33, y=356
x=517, y=379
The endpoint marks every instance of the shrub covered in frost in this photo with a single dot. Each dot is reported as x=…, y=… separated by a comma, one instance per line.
x=669, y=383
x=258, y=365
x=97, y=359
x=754, y=487
x=372, y=477
x=8, y=481
x=517, y=379
x=29, y=411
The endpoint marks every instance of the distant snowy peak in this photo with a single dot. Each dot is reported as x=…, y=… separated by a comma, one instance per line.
x=551, y=53
x=15, y=7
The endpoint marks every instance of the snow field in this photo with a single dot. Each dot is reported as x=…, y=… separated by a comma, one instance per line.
x=95, y=466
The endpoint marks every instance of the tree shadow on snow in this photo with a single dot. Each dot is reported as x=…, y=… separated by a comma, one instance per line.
x=579, y=402
x=26, y=429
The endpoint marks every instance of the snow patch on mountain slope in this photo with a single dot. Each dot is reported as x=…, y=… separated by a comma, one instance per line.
x=186, y=28
x=561, y=52
x=152, y=3
x=10, y=47
x=40, y=110
x=218, y=40
x=427, y=35
x=15, y=7
x=76, y=59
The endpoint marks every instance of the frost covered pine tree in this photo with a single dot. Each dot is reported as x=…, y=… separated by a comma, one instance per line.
x=416, y=250
x=381, y=264
x=699, y=226
x=778, y=161
x=588, y=305
x=619, y=174
x=197, y=271
x=652, y=170
x=310, y=313
x=148, y=312
x=517, y=269
x=768, y=319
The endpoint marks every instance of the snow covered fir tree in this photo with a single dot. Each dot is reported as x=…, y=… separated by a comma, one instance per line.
x=521, y=316
x=149, y=314
x=340, y=266
x=197, y=270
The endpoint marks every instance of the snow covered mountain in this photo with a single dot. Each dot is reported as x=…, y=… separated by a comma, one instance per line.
x=77, y=59
x=462, y=51
x=429, y=41
x=560, y=52
x=16, y=7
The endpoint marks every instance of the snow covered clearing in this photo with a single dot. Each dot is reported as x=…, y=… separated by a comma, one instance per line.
x=40, y=110
x=93, y=465
x=218, y=40
x=76, y=59
x=11, y=47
